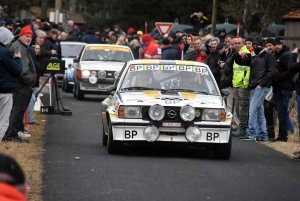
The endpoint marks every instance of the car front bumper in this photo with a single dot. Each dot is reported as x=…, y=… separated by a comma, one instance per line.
x=100, y=86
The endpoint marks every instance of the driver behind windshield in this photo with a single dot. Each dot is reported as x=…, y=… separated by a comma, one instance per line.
x=146, y=79
x=187, y=80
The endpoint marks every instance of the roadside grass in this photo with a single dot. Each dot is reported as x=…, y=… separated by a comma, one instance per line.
x=293, y=143
x=29, y=156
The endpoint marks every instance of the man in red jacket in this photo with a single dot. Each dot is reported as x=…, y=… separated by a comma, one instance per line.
x=152, y=50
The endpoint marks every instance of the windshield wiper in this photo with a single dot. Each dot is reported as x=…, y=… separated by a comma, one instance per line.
x=141, y=88
x=113, y=60
x=188, y=90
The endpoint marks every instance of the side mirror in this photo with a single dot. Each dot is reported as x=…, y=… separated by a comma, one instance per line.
x=111, y=88
x=225, y=92
x=76, y=60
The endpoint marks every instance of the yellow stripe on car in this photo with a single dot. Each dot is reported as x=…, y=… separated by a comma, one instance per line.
x=152, y=95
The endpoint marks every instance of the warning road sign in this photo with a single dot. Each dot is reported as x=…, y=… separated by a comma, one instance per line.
x=164, y=27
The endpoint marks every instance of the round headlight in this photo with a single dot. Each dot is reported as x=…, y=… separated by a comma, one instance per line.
x=193, y=134
x=151, y=133
x=116, y=74
x=187, y=113
x=94, y=73
x=86, y=73
x=93, y=80
x=101, y=74
x=157, y=112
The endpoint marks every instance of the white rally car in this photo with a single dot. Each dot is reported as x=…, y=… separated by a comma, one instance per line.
x=166, y=101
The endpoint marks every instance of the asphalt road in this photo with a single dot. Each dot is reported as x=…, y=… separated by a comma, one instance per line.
x=254, y=172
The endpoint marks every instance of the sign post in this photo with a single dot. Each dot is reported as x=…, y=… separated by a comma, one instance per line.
x=164, y=27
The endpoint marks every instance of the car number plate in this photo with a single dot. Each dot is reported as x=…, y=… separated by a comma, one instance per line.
x=171, y=124
x=102, y=86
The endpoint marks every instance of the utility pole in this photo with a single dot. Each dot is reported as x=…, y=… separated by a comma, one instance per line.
x=57, y=10
x=214, y=17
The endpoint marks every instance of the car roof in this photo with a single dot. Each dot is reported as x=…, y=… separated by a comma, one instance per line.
x=107, y=45
x=72, y=43
x=165, y=62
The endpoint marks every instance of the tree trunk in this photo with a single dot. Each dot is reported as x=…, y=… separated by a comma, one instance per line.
x=44, y=8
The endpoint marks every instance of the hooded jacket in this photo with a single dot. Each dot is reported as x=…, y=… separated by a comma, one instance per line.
x=262, y=67
x=152, y=51
x=28, y=70
x=10, y=68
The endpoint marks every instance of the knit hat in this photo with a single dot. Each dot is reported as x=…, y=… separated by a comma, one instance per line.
x=10, y=22
x=146, y=38
x=26, y=30
x=172, y=35
x=179, y=30
x=269, y=40
x=139, y=33
x=279, y=40
x=202, y=47
x=220, y=46
x=201, y=30
x=130, y=30
x=249, y=39
x=9, y=166
x=5, y=36
x=166, y=41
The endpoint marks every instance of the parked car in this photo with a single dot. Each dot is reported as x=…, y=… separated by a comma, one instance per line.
x=70, y=50
x=163, y=101
x=97, y=67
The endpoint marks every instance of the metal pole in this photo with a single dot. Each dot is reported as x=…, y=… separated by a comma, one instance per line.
x=214, y=17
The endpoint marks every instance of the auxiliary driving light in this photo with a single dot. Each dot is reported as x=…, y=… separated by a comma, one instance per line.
x=157, y=112
x=151, y=133
x=192, y=133
x=101, y=74
x=93, y=80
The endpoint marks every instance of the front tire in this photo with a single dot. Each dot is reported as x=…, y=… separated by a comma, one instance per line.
x=74, y=90
x=223, y=151
x=113, y=146
x=104, y=137
x=79, y=93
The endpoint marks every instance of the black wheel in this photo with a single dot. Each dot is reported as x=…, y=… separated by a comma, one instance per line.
x=68, y=87
x=104, y=137
x=113, y=147
x=223, y=151
x=79, y=93
x=74, y=90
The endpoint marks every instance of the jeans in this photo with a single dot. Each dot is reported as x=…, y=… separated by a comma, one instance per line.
x=282, y=99
x=271, y=116
x=6, y=103
x=257, y=121
x=31, y=106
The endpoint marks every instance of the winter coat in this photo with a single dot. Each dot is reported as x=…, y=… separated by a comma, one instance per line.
x=28, y=75
x=177, y=49
x=135, y=51
x=294, y=68
x=10, y=69
x=212, y=62
x=200, y=58
x=37, y=66
x=283, y=79
x=190, y=55
x=10, y=193
x=262, y=68
x=91, y=37
x=168, y=53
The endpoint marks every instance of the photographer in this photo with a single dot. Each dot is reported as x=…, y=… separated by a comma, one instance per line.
x=198, y=21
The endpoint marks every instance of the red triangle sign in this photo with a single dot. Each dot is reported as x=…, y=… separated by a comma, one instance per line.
x=164, y=27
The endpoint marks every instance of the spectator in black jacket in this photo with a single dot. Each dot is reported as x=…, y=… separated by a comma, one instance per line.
x=168, y=53
x=10, y=68
x=174, y=43
x=135, y=48
x=283, y=86
x=262, y=70
x=90, y=37
x=213, y=58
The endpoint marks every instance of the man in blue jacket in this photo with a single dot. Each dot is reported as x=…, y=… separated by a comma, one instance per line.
x=10, y=68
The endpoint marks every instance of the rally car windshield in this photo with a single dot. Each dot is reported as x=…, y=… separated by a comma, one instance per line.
x=169, y=78
x=107, y=54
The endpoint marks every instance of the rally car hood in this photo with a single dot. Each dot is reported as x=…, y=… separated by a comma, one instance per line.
x=148, y=98
x=101, y=65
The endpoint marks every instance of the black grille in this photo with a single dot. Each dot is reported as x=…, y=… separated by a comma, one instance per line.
x=110, y=72
x=169, y=111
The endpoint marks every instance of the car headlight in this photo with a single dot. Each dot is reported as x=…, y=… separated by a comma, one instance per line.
x=116, y=74
x=187, y=113
x=157, y=112
x=86, y=73
x=94, y=73
x=213, y=115
x=101, y=74
x=132, y=112
x=193, y=133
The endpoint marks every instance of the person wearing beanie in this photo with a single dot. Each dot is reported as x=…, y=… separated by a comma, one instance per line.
x=201, y=32
x=283, y=86
x=9, y=24
x=168, y=53
x=25, y=83
x=222, y=35
x=10, y=69
x=12, y=180
x=201, y=54
x=248, y=43
x=152, y=50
